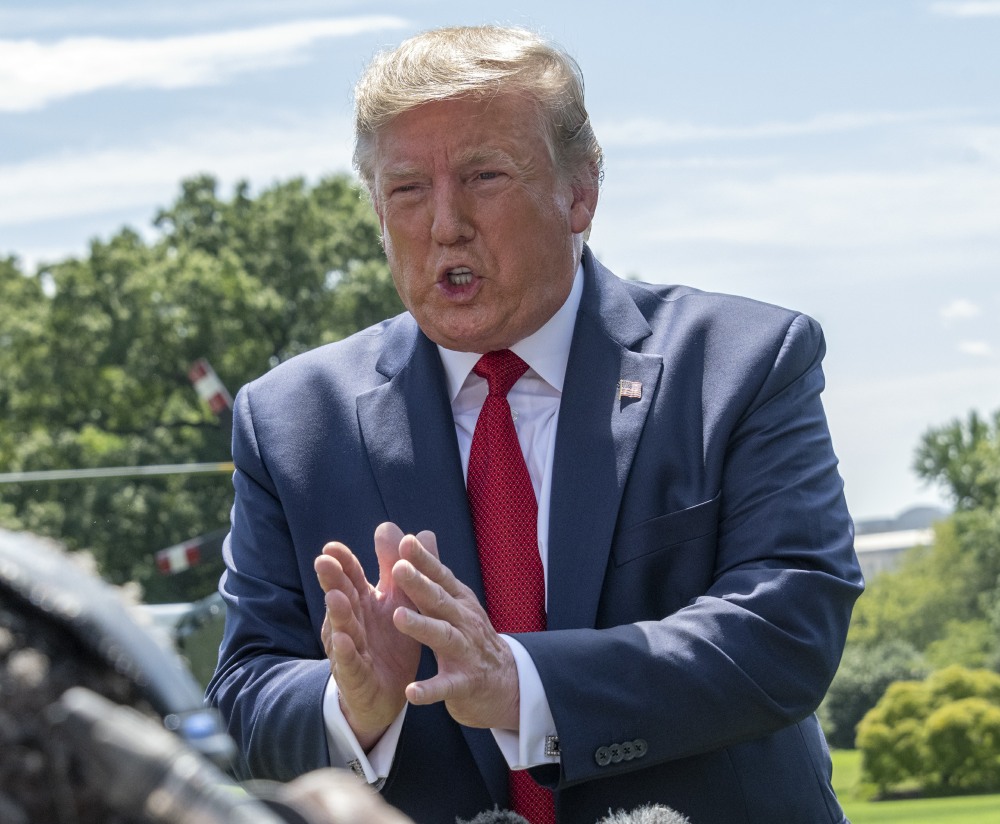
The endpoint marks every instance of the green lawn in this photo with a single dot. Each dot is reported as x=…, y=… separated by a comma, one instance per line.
x=975, y=809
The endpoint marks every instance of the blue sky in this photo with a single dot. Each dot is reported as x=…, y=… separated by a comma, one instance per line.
x=838, y=158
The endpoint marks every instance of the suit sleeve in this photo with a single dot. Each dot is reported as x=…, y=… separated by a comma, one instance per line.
x=272, y=670
x=754, y=650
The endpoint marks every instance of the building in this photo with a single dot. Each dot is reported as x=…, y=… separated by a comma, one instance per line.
x=881, y=543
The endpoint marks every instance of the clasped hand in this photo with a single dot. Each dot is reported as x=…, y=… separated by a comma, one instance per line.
x=373, y=633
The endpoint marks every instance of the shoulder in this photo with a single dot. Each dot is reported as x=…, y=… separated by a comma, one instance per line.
x=674, y=302
x=685, y=312
x=728, y=321
x=726, y=338
x=346, y=367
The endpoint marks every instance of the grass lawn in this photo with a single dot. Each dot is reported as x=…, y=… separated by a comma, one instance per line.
x=973, y=809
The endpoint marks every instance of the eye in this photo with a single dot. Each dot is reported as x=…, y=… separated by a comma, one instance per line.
x=405, y=191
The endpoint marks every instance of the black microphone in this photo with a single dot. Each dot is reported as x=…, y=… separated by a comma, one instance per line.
x=50, y=584
x=648, y=814
x=146, y=771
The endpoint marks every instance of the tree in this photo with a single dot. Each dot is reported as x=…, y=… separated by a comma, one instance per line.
x=944, y=599
x=862, y=679
x=95, y=354
x=964, y=459
x=942, y=733
x=914, y=603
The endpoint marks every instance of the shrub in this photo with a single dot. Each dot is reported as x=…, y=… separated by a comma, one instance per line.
x=943, y=733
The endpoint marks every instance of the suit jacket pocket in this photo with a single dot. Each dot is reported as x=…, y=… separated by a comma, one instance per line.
x=669, y=530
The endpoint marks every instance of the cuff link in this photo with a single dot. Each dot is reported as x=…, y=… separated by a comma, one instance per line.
x=354, y=765
x=552, y=746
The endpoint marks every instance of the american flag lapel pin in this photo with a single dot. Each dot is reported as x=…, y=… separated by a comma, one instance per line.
x=629, y=389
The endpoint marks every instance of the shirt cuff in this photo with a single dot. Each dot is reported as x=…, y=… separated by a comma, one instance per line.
x=345, y=750
x=536, y=742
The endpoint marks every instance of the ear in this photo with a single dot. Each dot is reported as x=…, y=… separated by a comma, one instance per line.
x=586, y=189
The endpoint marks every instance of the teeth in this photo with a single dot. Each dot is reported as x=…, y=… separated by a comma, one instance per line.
x=460, y=276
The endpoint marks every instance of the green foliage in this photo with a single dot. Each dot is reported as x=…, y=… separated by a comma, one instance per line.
x=964, y=740
x=861, y=680
x=942, y=733
x=963, y=457
x=912, y=603
x=94, y=355
x=943, y=604
x=943, y=599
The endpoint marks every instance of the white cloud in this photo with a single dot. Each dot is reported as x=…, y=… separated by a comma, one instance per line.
x=650, y=131
x=980, y=9
x=110, y=16
x=976, y=348
x=959, y=309
x=116, y=179
x=34, y=74
x=939, y=199
x=824, y=210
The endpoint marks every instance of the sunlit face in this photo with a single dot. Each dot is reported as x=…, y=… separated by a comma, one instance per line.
x=482, y=235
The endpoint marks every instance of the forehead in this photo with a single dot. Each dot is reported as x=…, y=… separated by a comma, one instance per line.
x=462, y=129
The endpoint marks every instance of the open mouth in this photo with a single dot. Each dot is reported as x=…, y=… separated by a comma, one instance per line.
x=459, y=276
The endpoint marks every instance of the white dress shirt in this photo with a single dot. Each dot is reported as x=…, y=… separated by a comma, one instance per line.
x=534, y=402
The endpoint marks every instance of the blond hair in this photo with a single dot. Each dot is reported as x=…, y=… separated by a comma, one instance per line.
x=480, y=62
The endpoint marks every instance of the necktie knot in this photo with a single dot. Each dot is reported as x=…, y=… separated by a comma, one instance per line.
x=501, y=369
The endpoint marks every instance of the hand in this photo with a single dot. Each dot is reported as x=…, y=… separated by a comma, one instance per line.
x=371, y=661
x=335, y=796
x=477, y=675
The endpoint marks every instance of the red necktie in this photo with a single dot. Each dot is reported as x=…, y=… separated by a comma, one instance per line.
x=505, y=517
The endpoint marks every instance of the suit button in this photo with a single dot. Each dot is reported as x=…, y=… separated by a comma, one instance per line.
x=602, y=756
x=628, y=750
x=640, y=746
x=616, y=753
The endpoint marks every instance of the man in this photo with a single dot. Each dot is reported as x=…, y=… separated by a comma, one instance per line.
x=691, y=546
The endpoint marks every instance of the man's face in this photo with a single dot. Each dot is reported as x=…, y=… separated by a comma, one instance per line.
x=477, y=226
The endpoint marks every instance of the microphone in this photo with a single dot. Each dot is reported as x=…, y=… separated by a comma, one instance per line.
x=648, y=814
x=51, y=586
x=146, y=771
x=495, y=816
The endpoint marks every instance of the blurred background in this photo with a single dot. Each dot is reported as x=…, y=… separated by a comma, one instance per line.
x=178, y=215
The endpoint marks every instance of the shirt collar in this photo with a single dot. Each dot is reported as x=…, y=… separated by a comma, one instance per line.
x=545, y=351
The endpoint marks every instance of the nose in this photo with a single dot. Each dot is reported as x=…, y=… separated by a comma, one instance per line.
x=451, y=216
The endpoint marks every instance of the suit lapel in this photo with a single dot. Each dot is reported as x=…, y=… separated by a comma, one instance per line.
x=595, y=443
x=409, y=433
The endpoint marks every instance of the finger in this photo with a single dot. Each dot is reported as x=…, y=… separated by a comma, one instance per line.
x=427, y=595
x=341, y=614
x=349, y=564
x=428, y=540
x=330, y=573
x=441, y=636
x=332, y=578
x=387, y=540
x=425, y=560
x=442, y=687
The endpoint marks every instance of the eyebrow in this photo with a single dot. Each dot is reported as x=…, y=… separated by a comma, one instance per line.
x=478, y=156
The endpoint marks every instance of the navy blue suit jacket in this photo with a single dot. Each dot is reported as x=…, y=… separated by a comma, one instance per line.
x=701, y=562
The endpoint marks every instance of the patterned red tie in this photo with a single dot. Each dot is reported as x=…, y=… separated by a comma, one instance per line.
x=505, y=517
